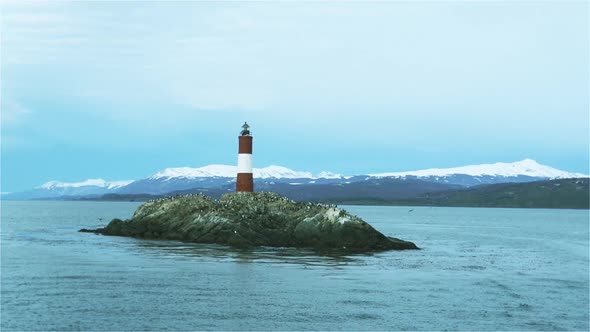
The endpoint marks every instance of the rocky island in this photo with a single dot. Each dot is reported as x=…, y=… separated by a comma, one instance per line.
x=247, y=219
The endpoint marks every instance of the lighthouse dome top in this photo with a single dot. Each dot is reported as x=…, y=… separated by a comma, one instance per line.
x=245, y=129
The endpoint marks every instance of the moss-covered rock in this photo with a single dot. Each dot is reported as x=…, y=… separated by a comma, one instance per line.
x=253, y=219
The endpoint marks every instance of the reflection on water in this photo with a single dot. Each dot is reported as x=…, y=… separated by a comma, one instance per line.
x=261, y=255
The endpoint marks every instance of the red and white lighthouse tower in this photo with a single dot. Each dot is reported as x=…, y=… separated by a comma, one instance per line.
x=245, y=181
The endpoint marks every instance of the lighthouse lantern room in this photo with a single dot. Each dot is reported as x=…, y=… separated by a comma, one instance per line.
x=245, y=180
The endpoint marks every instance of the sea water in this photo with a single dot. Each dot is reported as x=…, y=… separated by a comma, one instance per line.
x=479, y=269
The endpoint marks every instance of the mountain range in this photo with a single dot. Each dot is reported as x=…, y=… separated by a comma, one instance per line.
x=302, y=185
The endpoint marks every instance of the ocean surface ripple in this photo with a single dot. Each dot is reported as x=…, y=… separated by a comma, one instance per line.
x=480, y=269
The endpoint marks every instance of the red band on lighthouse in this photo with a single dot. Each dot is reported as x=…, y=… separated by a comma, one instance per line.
x=245, y=145
x=245, y=180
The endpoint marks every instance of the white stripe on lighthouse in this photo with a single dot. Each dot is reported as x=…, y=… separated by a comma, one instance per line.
x=244, y=163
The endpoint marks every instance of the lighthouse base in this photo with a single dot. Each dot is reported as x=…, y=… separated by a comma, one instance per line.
x=245, y=182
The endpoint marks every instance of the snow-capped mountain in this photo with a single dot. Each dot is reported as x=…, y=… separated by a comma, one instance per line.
x=222, y=177
x=526, y=167
x=217, y=176
x=53, y=189
x=228, y=171
x=56, y=185
x=526, y=170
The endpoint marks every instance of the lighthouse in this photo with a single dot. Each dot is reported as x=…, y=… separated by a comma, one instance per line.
x=245, y=181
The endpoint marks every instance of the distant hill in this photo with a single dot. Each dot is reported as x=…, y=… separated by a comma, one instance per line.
x=561, y=194
x=386, y=189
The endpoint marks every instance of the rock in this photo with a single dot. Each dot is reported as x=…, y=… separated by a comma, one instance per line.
x=95, y=231
x=253, y=219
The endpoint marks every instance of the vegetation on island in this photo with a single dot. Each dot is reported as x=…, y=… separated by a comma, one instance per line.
x=253, y=219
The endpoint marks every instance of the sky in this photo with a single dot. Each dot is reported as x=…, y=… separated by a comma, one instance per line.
x=120, y=90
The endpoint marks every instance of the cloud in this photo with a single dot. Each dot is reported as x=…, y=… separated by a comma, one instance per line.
x=320, y=59
x=92, y=93
x=13, y=113
x=33, y=19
